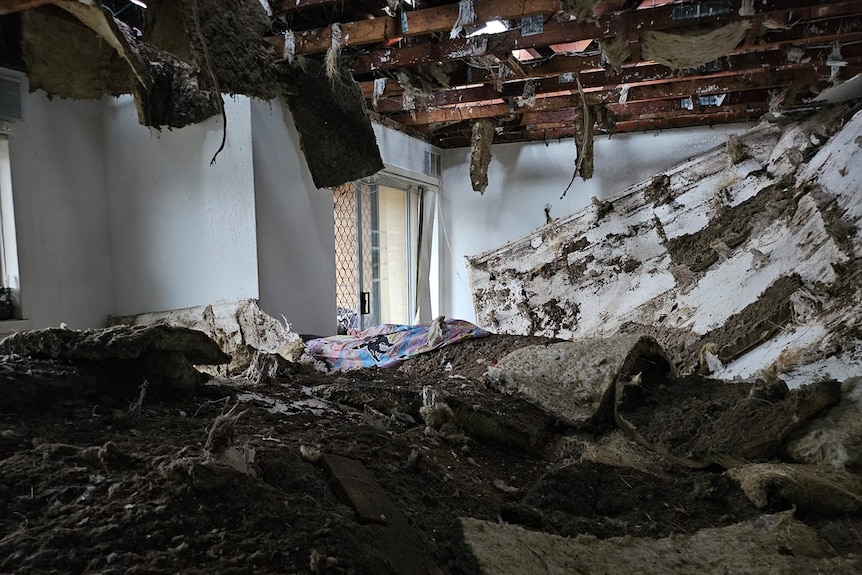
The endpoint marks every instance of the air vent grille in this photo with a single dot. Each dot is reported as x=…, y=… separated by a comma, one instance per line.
x=10, y=99
x=432, y=163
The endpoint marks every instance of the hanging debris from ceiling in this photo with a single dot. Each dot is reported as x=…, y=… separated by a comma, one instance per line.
x=333, y=52
x=584, y=141
x=606, y=120
x=693, y=47
x=528, y=97
x=191, y=51
x=64, y=58
x=466, y=16
x=420, y=82
x=615, y=51
x=481, y=138
x=687, y=48
x=335, y=132
x=230, y=35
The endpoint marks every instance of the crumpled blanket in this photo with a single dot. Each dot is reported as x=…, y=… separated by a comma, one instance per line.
x=386, y=345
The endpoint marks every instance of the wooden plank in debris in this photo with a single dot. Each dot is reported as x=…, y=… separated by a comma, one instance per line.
x=355, y=485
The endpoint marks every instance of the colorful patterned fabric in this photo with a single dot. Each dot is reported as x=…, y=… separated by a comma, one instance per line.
x=389, y=344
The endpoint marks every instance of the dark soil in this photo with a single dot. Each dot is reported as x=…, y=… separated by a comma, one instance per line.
x=86, y=487
x=704, y=421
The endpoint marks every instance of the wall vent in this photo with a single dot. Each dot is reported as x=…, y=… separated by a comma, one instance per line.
x=432, y=163
x=11, y=98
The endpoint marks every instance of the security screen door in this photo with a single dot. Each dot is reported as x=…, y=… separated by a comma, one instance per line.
x=377, y=245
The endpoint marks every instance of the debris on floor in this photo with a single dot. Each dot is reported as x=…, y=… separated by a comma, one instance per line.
x=240, y=328
x=417, y=468
x=769, y=544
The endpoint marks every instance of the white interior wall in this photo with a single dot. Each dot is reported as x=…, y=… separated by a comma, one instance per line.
x=523, y=178
x=182, y=230
x=58, y=180
x=295, y=227
x=398, y=150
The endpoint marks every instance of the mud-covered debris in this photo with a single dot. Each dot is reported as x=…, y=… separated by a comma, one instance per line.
x=574, y=381
x=334, y=128
x=481, y=138
x=834, y=437
x=769, y=544
x=113, y=343
x=810, y=488
x=696, y=422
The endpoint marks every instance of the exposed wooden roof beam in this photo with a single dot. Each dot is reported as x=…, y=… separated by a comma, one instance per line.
x=614, y=24
x=701, y=86
x=10, y=6
x=632, y=76
x=419, y=22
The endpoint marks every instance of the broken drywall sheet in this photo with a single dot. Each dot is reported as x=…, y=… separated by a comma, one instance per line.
x=751, y=258
x=240, y=328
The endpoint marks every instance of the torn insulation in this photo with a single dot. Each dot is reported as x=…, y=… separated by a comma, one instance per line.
x=480, y=153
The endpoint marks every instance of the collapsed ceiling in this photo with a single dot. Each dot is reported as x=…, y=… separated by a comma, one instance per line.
x=435, y=67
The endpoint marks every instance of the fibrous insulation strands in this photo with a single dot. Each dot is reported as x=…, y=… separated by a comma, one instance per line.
x=332, y=53
x=379, y=89
x=528, y=97
x=690, y=48
x=289, y=46
x=481, y=138
x=466, y=16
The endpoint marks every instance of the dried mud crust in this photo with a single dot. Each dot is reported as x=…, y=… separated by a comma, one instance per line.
x=84, y=487
x=607, y=501
x=699, y=421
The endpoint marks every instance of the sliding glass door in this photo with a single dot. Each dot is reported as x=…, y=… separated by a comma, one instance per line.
x=377, y=245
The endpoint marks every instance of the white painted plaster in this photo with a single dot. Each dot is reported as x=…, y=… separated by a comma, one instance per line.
x=522, y=178
x=295, y=227
x=57, y=159
x=182, y=230
x=399, y=150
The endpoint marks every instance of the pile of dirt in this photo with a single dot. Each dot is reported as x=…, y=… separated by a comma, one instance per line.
x=232, y=480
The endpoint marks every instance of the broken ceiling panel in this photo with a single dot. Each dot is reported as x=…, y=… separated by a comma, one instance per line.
x=218, y=38
x=334, y=128
x=734, y=264
x=66, y=59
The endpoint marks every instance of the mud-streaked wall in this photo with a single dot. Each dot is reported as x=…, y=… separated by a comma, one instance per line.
x=182, y=230
x=523, y=178
x=61, y=212
x=739, y=260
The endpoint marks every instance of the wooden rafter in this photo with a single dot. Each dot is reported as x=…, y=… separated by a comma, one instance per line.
x=418, y=23
x=702, y=86
x=594, y=78
x=619, y=23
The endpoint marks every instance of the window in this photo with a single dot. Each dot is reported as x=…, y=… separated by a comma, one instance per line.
x=9, y=306
x=383, y=236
